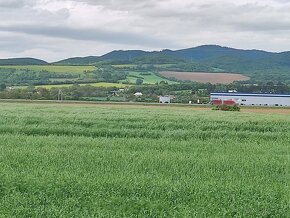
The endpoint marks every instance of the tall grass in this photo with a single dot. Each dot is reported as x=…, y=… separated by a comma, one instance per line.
x=136, y=161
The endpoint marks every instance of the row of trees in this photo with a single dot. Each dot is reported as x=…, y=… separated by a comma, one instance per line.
x=29, y=77
x=17, y=77
x=74, y=92
x=183, y=92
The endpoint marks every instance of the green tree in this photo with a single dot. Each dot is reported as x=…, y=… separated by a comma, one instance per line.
x=139, y=81
x=2, y=87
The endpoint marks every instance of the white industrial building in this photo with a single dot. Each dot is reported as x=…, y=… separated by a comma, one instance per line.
x=253, y=99
x=165, y=99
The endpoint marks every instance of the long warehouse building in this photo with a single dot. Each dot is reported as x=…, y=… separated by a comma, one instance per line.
x=253, y=99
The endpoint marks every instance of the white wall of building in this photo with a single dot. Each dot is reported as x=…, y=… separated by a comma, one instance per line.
x=254, y=99
x=164, y=99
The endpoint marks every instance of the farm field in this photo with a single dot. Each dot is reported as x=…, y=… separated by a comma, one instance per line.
x=82, y=160
x=214, y=78
x=151, y=78
x=52, y=68
x=106, y=85
x=132, y=66
x=124, y=65
x=71, y=74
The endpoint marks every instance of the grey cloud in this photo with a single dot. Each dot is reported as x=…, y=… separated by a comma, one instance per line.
x=13, y=4
x=229, y=15
x=100, y=35
x=151, y=24
x=269, y=27
x=133, y=6
x=226, y=17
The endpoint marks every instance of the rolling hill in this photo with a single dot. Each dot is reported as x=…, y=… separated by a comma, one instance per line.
x=200, y=53
x=90, y=60
x=22, y=61
x=206, y=56
x=257, y=64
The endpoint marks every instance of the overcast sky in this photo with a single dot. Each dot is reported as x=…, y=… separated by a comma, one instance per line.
x=57, y=29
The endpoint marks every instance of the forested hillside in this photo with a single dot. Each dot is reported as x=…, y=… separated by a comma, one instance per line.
x=259, y=65
x=22, y=61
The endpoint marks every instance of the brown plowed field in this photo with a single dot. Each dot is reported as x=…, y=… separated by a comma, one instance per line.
x=213, y=78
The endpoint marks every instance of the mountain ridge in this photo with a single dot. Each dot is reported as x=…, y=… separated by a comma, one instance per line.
x=198, y=53
x=259, y=65
x=22, y=61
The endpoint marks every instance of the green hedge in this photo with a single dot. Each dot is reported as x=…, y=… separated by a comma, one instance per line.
x=224, y=107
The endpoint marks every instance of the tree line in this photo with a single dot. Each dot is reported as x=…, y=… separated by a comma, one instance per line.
x=183, y=92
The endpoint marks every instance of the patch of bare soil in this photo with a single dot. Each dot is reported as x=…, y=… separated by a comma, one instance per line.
x=213, y=78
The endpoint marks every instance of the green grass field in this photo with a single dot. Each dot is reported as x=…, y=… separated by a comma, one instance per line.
x=124, y=65
x=131, y=78
x=51, y=68
x=81, y=160
x=144, y=65
x=147, y=79
x=106, y=85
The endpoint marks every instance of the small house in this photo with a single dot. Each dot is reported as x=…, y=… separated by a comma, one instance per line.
x=138, y=94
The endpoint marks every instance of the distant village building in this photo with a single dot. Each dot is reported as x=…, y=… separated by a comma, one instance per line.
x=165, y=99
x=138, y=94
x=117, y=92
x=250, y=99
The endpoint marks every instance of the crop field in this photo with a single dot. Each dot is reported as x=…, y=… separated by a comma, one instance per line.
x=51, y=68
x=213, y=78
x=96, y=160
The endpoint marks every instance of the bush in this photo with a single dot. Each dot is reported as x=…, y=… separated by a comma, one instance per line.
x=224, y=107
x=139, y=82
x=145, y=73
x=2, y=87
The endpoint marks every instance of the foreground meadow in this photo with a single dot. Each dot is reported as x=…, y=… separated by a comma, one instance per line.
x=60, y=160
